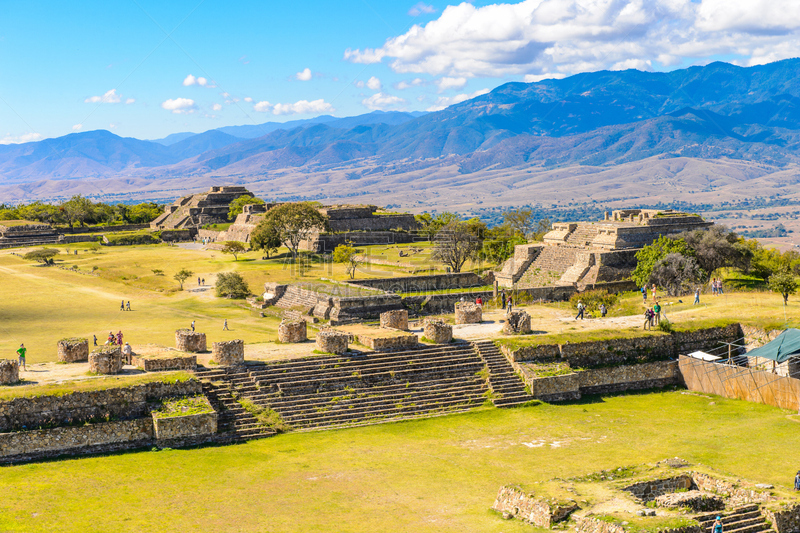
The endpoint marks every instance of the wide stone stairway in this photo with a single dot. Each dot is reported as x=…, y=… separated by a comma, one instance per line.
x=507, y=388
x=746, y=519
x=234, y=423
x=548, y=267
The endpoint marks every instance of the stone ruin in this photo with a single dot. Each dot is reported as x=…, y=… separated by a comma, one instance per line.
x=586, y=253
x=228, y=353
x=106, y=360
x=396, y=319
x=73, y=350
x=9, y=371
x=332, y=341
x=197, y=210
x=437, y=331
x=468, y=313
x=292, y=331
x=517, y=323
x=245, y=223
x=29, y=234
x=187, y=340
x=513, y=502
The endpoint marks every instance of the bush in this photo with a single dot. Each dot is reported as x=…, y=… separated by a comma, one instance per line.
x=665, y=326
x=129, y=240
x=232, y=285
x=593, y=299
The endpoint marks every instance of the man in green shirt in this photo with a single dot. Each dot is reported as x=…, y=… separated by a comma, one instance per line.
x=657, y=313
x=21, y=353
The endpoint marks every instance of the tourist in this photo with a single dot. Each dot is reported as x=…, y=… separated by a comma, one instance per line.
x=644, y=294
x=122, y=306
x=714, y=286
x=126, y=353
x=603, y=310
x=657, y=313
x=119, y=338
x=95, y=339
x=203, y=282
x=479, y=301
x=21, y=354
x=648, y=318
x=717, y=527
x=192, y=325
x=696, y=296
x=225, y=325
x=128, y=306
x=581, y=309
x=503, y=298
x=198, y=281
x=720, y=291
x=111, y=339
x=797, y=481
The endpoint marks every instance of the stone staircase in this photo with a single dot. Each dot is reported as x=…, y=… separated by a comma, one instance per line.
x=332, y=392
x=583, y=236
x=746, y=519
x=298, y=298
x=548, y=267
x=508, y=388
x=234, y=423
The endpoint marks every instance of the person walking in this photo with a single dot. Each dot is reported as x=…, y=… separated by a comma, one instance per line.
x=128, y=306
x=198, y=281
x=119, y=338
x=603, y=310
x=656, y=314
x=192, y=325
x=717, y=527
x=503, y=298
x=696, y=296
x=654, y=292
x=95, y=339
x=714, y=286
x=225, y=325
x=720, y=290
x=126, y=353
x=21, y=352
x=122, y=306
x=644, y=294
x=648, y=318
x=797, y=481
x=581, y=309
x=203, y=282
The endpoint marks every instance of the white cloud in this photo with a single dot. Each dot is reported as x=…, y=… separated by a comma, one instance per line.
x=421, y=8
x=248, y=99
x=216, y=107
x=374, y=84
x=304, y=75
x=552, y=38
x=77, y=127
x=301, y=107
x=24, y=138
x=189, y=80
x=110, y=97
x=450, y=83
x=408, y=84
x=180, y=105
x=112, y=126
x=444, y=101
x=130, y=101
x=201, y=81
x=533, y=78
x=381, y=101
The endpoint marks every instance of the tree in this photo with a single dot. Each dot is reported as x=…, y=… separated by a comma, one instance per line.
x=232, y=285
x=182, y=275
x=237, y=206
x=234, y=248
x=783, y=282
x=76, y=209
x=295, y=222
x=44, y=256
x=430, y=225
x=717, y=247
x=454, y=244
x=647, y=257
x=345, y=253
x=265, y=237
x=143, y=213
x=677, y=273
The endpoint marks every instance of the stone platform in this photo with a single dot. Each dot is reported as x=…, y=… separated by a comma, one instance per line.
x=379, y=338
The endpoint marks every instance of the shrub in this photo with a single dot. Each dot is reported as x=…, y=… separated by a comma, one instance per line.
x=232, y=285
x=130, y=240
x=593, y=299
x=665, y=326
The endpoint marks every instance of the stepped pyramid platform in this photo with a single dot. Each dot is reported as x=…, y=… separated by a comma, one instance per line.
x=197, y=210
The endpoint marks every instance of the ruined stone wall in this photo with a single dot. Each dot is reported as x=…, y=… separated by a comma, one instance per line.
x=650, y=490
x=385, y=344
x=540, y=353
x=437, y=331
x=618, y=351
x=292, y=331
x=187, y=340
x=397, y=319
x=160, y=364
x=435, y=282
x=785, y=519
x=321, y=243
x=468, y=313
x=80, y=407
x=179, y=427
x=72, y=350
x=330, y=341
x=539, y=512
x=228, y=353
x=595, y=525
x=9, y=371
x=374, y=223
x=106, y=360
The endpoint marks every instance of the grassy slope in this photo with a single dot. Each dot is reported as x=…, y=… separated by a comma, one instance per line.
x=435, y=475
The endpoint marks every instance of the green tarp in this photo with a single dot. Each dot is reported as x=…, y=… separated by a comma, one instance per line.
x=785, y=346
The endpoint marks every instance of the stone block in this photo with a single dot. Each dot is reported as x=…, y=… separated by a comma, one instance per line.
x=187, y=340
x=330, y=341
x=181, y=427
x=158, y=364
x=228, y=353
x=517, y=323
x=73, y=350
x=396, y=319
x=106, y=360
x=468, y=313
x=437, y=331
x=9, y=371
x=292, y=330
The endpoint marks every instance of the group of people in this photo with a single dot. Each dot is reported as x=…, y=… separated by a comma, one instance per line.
x=652, y=316
x=653, y=291
x=582, y=309
x=123, y=307
x=716, y=287
x=116, y=340
x=507, y=302
x=201, y=282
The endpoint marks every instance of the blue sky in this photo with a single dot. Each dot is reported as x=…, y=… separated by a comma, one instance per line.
x=147, y=69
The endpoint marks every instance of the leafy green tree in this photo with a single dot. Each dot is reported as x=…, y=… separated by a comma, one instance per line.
x=232, y=285
x=498, y=245
x=677, y=273
x=647, y=257
x=456, y=243
x=265, y=237
x=38, y=211
x=237, y=206
x=182, y=275
x=345, y=253
x=783, y=283
x=143, y=213
x=717, y=247
x=234, y=248
x=44, y=256
x=295, y=222
x=430, y=225
x=76, y=210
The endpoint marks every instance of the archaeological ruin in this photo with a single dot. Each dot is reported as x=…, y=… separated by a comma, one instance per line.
x=197, y=210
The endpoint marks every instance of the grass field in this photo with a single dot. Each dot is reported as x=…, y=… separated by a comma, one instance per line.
x=434, y=475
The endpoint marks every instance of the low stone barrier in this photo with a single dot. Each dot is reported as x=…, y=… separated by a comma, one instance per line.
x=330, y=341
x=179, y=427
x=73, y=350
x=187, y=340
x=159, y=364
x=517, y=323
x=106, y=360
x=9, y=371
x=784, y=519
x=292, y=331
x=397, y=319
x=437, y=331
x=652, y=489
x=540, y=512
x=468, y=313
x=228, y=353
x=697, y=500
x=377, y=342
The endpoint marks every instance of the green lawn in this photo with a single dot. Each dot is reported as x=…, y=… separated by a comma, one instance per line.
x=435, y=475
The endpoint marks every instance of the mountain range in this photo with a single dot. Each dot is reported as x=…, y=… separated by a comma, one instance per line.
x=599, y=120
